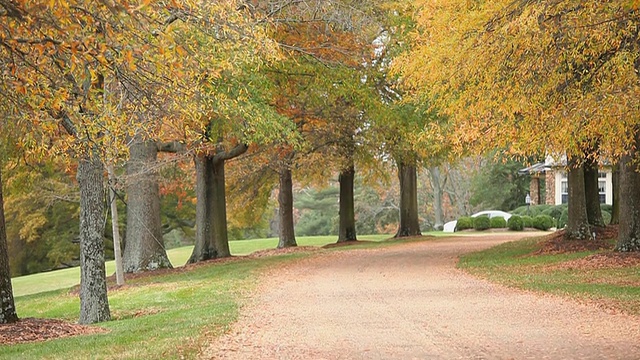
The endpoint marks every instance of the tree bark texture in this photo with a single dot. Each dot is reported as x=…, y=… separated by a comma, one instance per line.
x=144, y=246
x=94, y=304
x=615, y=206
x=347, y=226
x=577, y=223
x=285, y=202
x=434, y=174
x=409, y=222
x=629, y=228
x=204, y=248
x=211, y=207
x=7, y=306
x=219, y=203
x=592, y=194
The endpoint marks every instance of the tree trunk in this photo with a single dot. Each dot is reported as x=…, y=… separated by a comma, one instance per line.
x=94, y=304
x=347, y=230
x=211, y=209
x=629, y=228
x=577, y=223
x=144, y=246
x=434, y=173
x=592, y=193
x=285, y=202
x=219, y=203
x=615, y=184
x=204, y=247
x=7, y=306
x=409, y=223
x=115, y=227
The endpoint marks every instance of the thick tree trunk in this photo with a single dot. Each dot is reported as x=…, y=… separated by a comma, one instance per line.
x=592, y=193
x=7, y=306
x=211, y=209
x=94, y=304
x=436, y=185
x=629, y=228
x=347, y=230
x=285, y=202
x=219, y=221
x=409, y=222
x=577, y=223
x=615, y=184
x=204, y=247
x=144, y=246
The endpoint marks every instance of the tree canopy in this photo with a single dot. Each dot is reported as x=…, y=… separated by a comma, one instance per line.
x=529, y=76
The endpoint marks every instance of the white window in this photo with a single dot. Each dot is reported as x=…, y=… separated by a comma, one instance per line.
x=602, y=187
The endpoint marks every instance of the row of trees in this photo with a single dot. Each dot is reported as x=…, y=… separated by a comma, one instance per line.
x=292, y=84
x=539, y=78
x=302, y=88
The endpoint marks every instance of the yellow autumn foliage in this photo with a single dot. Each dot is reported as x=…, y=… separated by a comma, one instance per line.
x=529, y=76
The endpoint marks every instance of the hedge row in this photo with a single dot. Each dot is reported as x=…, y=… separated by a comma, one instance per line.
x=559, y=213
x=515, y=223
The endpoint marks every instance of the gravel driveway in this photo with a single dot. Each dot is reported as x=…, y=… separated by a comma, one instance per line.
x=409, y=301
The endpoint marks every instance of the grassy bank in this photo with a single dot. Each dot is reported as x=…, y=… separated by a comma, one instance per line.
x=167, y=316
x=65, y=278
x=160, y=317
x=587, y=275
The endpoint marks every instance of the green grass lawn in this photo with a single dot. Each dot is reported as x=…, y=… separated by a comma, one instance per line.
x=160, y=317
x=166, y=316
x=66, y=278
x=513, y=264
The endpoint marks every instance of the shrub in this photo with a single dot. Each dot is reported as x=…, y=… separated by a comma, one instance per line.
x=606, y=207
x=527, y=221
x=520, y=210
x=465, y=222
x=554, y=211
x=562, y=222
x=543, y=222
x=606, y=217
x=481, y=223
x=515, y=223
x=498, y=222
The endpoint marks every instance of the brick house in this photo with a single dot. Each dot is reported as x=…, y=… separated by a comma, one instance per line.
x=552, y=177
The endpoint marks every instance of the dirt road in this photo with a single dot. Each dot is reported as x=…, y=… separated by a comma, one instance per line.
x=410, y=302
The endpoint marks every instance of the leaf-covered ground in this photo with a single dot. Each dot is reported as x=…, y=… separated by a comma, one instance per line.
x=31, y=330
